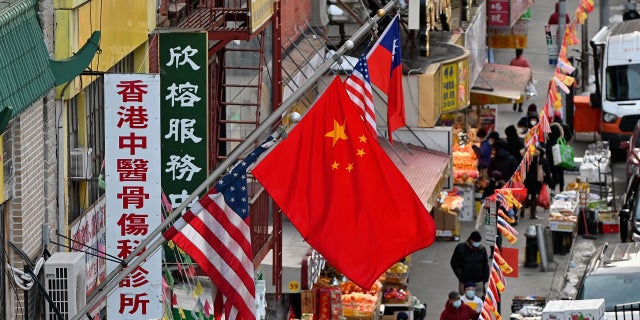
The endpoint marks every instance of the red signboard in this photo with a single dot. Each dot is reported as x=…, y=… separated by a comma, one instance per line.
x=498, y=13
x=505, y=13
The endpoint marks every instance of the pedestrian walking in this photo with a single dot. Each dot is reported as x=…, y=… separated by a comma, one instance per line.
x=537, y=174
x=557, y=172
x=454, y=309
x=470, y=262
x=554, y=18
x=515, y=144
x=469, y=298
x=520, y=61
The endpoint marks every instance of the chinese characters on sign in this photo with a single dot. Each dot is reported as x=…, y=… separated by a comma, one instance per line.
x=184, y=121
x=132, y=167
x=449, y=87
x=498, y=13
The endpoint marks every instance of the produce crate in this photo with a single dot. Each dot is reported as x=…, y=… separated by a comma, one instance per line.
x=399, y=278
x=519, y=301
x=609, y=228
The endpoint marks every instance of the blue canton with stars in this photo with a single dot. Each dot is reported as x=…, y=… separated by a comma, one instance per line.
x=233, y=185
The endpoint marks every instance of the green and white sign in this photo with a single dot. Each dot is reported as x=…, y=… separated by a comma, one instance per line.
x=183, y=60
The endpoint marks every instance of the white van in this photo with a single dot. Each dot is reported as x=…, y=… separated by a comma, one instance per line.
x=616, y=52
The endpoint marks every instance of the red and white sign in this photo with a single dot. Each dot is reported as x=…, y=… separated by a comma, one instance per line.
x=498, y=13
x=133, y=192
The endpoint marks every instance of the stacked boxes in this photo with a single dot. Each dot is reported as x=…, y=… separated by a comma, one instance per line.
x=591, y=309
x=447, y=222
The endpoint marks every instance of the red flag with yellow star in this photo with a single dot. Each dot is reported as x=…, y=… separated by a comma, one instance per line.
x=341, y=191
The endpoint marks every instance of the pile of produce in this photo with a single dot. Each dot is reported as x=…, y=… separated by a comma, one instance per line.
x=395, y=295
x=359, y=302
x=464, y=164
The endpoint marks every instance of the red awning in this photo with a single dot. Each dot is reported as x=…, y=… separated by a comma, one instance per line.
x=425, y=170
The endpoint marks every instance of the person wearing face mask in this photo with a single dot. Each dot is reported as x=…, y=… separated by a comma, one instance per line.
x=469, y=298
x=522, y=126
x=533, y=120
x=454, y=309
x=470, y=262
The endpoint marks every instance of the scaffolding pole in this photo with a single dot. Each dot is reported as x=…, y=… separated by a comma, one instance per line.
x=138, y=256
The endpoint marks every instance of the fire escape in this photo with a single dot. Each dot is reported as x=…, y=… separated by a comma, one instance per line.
x=237, y=35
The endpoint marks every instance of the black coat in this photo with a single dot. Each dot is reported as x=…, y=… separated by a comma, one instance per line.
x=503, y=162
x=514, y=143
x=470, y=264
x=531, y=180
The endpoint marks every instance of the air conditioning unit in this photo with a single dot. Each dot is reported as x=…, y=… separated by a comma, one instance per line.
x=80, y=164
x=65, y=282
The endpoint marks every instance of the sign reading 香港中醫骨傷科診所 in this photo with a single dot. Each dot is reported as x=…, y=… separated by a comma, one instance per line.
x=132, y=197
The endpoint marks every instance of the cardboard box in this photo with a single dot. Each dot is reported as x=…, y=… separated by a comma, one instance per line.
x=591, y=309
x=438, y=217
x=451, y=220
x=554, y=310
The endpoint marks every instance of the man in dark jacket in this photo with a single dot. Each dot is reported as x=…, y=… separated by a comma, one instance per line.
x=515, y=144
x=454, y=309
x=534, y=180
x=503, y=161
x=470, y=262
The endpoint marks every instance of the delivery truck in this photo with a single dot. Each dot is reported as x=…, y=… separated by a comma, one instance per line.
x=616, y=56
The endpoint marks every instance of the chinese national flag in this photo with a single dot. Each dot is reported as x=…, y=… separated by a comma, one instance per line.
x=342, y=192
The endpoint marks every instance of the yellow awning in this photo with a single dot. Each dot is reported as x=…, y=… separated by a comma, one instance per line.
x=498, y=83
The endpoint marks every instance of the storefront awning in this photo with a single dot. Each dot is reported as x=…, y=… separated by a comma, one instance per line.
x=498, y=83
x=26, y=71
x=425, y=170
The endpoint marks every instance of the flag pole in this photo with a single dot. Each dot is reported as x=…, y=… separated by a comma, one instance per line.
x=138, y=256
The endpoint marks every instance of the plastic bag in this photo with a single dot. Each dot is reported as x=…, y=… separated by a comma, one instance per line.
x=544, y=199
x=563, y=154
x=531, y=90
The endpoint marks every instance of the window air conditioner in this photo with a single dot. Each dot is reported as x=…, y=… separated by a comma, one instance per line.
x=64, y=280
x=80, y=164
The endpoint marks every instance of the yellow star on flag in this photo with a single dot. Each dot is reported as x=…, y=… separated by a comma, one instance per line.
x=335, y=165
x=349, y=167
x=363, y=139
x=361, y=152
x=337, y=132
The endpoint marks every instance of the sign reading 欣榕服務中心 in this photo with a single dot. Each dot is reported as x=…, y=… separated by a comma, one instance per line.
x=133, y=193
x=183, y=61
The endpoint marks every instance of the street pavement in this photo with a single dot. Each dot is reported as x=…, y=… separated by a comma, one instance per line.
x=431, y=277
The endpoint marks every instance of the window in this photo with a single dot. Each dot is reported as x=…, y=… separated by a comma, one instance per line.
x=623, y=82
x=84, y=193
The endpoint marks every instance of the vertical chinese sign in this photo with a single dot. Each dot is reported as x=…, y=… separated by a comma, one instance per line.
x=133, y=194
x=498, y=13
x=184, y=121
x=449, y=87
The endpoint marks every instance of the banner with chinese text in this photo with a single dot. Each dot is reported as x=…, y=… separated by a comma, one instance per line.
x=455, y=85
x=183, y=60
x=509, y=38
x=133, y=193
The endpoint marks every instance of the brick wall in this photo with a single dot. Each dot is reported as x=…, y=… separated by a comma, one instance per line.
x=294, y=13
x=34, y=199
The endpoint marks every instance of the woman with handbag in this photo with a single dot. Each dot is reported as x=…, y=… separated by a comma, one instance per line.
x=557, y=172
x=537, y=174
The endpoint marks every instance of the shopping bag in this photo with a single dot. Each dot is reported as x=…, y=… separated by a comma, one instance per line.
x=562, y=154
x=544, y=200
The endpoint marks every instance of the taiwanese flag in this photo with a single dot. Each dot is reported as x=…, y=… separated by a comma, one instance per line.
x=385, y=72
x=341, y=191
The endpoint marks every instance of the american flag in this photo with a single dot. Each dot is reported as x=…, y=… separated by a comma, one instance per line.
x=358, y=87
x=215, y=233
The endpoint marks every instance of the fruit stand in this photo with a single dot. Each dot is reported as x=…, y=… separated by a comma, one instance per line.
x=396, y=297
